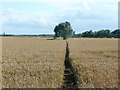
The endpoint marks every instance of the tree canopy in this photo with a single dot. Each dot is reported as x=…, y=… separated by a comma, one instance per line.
x=99, y=34
x=63, y=30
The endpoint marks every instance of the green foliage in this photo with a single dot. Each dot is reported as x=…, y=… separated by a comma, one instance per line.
x=116, y=33
x=99, y=34
x=63, y=30
x=103, y=33
x=87, y=34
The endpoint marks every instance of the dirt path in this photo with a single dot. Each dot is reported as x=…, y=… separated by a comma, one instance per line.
x=70, y=80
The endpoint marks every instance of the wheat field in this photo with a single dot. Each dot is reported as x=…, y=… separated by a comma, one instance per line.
x=95, y=62
x=32, y=62
x=0, y=62
x=35, y=62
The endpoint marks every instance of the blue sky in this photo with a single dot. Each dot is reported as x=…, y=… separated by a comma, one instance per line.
x=41, y=16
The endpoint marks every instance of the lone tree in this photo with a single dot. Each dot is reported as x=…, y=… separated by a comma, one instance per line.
x=63, y=30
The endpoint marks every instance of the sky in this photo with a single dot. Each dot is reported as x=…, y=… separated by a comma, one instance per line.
x=41, y=16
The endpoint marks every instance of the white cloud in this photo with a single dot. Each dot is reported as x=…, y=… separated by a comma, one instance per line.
x=2, y=17
x=86, y=6
x=75, y=11
x=13, y=18
x=43, y=21
x=10, y=9
x=22, y=17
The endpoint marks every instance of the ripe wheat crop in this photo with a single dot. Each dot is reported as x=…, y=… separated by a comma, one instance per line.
x=95, y=62
x=29, y=62
x=32, y=62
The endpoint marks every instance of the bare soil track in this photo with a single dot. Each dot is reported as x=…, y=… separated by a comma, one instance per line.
x=70, y=80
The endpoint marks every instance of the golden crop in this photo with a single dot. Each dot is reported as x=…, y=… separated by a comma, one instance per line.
x=32, y=62
x=0, y=62
x=95, y=62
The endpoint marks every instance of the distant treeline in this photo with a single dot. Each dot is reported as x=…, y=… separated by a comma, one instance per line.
x=47, y=35
x=89, y=34
x=99, y=34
